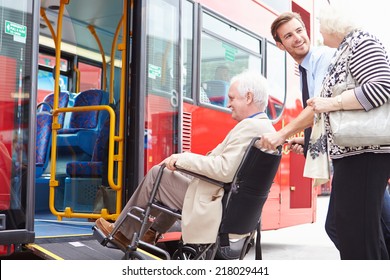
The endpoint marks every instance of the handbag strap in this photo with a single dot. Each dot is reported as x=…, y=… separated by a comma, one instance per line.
x=342, y=53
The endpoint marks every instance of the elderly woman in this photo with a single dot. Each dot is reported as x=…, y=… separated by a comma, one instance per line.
x=360, y=173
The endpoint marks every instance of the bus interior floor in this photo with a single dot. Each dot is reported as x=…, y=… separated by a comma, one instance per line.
x=46, y=224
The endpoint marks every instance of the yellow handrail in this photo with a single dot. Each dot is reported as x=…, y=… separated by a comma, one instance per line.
x=122, y=47
x=113, y=49
x=48, y=23
x=55, y=126
x=93, y=32
x=77, y=78
x=68, y=212
x=53, y=182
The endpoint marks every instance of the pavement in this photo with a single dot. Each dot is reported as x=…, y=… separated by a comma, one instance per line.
x=301, y=242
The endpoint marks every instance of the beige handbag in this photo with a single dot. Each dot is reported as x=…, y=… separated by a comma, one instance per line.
x=359, y=127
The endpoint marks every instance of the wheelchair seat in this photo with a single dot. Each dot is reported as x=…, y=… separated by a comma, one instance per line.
x=248, y=193
x=243, y=203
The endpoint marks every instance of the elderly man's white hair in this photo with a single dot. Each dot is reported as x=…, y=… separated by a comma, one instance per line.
x=252, y=81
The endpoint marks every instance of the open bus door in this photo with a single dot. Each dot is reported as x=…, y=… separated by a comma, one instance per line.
x=156, y=102
x=18, y=36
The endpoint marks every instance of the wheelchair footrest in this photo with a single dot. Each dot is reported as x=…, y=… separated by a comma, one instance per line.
x=103, y=239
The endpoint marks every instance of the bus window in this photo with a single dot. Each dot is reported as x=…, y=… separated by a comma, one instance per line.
x=90, y=76
x=188, y=37
x=46, y=84
x=45, y=75
x=47, y=60
x=226, y=51
x=276, y=60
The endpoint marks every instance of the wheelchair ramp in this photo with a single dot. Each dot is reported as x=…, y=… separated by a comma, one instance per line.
x=70, y=239
x=76, y=248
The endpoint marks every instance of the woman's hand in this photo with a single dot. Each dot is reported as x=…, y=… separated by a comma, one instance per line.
x=345, y=101
x=296, y=145
x=324, y=104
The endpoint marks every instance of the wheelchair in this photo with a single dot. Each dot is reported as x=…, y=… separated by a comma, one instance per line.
x=240, y=227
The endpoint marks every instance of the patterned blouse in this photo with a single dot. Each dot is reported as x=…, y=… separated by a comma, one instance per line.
x=369, y=65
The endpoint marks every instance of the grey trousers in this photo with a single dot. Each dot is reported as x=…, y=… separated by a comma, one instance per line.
x=173, y=187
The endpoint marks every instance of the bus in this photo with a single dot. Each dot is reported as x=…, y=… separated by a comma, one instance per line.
x=93, y=93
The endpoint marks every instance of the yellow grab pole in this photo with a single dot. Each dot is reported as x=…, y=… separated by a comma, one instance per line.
x=53, y=182
x=77, y=78
x=93, y=32
x=48, y=23
x=113, y=49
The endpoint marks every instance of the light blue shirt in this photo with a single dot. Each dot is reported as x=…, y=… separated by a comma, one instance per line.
x=316, y=63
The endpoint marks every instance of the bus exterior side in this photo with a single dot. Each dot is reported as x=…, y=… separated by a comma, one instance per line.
x=93, y=93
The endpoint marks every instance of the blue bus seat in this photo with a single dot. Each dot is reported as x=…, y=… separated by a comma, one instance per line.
x=43, y=141
x=217, y=92
x=83, y=178
x=93, y=168
x=48, y=101
x=83, y=127
x=98, y=164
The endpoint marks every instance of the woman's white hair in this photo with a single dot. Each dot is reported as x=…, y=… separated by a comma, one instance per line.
x=336, y=19
x=252, y=81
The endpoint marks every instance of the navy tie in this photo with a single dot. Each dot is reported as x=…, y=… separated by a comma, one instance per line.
x=305, y=97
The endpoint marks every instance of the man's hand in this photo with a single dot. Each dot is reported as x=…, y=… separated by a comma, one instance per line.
x=170, y=162
x=270, y=141
x=296, y=145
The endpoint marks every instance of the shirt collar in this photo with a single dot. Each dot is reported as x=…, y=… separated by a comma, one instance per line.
x=251, y=116
x=306, y=61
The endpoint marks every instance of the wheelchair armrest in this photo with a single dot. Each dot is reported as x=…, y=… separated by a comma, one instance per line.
x=202, y=177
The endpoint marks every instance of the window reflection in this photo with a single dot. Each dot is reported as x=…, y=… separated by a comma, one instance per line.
x=15, y=90
x=276, y=60
x=227, y=51
x=224, y=57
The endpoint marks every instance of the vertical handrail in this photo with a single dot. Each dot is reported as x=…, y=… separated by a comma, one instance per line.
x=113, y=50
x=120, y=138
x=48, y=23
x=93, y=32
x=77, y=78
x=55, y=126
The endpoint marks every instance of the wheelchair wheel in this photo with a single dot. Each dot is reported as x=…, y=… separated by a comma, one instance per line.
x=185, y=253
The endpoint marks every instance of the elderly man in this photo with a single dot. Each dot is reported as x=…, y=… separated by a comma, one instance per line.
x=199, y=200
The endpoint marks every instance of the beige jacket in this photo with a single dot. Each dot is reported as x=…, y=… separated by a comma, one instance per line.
x=202, y=208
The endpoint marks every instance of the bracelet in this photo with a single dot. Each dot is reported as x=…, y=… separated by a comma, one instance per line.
x=340, y=101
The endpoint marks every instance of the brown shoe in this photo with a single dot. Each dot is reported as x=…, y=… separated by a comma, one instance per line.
x=107, y=228
x=150, y=237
